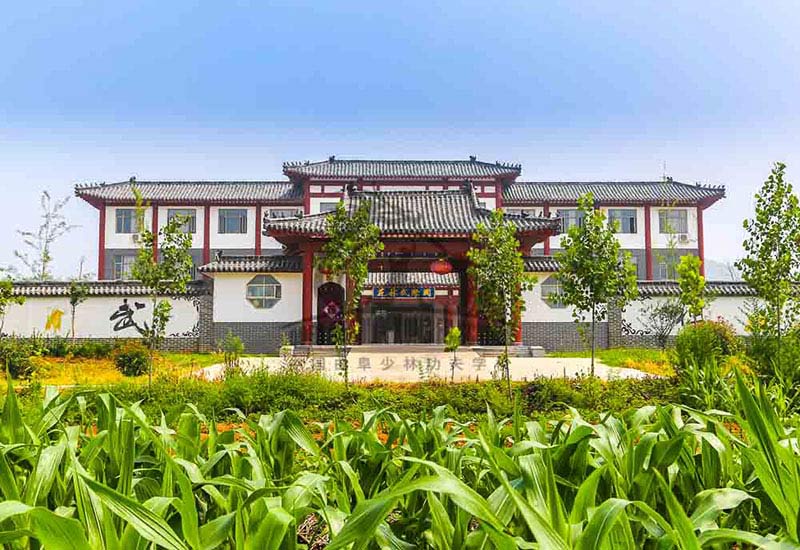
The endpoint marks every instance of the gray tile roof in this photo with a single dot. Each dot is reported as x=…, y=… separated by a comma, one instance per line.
x=254, y=264
x=408, y=213
x=541, y=264
x=220, y=192
x=629, y=192
x=716, y=288
x=416, y=278
x=401, y=169
x=98, y=288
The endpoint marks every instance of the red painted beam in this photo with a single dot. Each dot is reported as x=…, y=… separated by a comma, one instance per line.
x=701, y=249
x=308, y=289
x=648, y=245
x=259, y=225
x=307, y=197
x=472, y=313
x=206, y=234
x=546, y=214
x=154, y=229
x=101, y=245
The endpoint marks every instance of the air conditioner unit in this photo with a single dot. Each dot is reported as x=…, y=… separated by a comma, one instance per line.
x=136, y=238
x=683, y=238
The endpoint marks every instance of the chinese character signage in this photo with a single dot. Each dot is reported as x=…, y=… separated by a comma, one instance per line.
x=403, y=292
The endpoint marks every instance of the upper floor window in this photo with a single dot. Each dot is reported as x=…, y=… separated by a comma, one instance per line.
x=263, y=291
x=327, y=206
x=126, y=220
x=121, y=266
x=570, y=218
x=188, y=214
x=283, y=213
x=672, y=221
x=623, y=218
x=233, y=220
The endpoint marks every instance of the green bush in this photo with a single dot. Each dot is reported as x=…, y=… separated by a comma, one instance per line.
x=57, y=347
x=131, y=359
x=93, y=350
x=705, y=341
x=15, y=355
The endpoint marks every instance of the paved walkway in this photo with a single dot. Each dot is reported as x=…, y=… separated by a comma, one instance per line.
x=416, y=367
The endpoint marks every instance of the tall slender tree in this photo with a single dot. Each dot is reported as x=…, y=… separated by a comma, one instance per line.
x=692, y=285
x=594, y=273
x=39, y=243
x=353, y=240
x=498, y=271
x=162, y=276
x=771, y=265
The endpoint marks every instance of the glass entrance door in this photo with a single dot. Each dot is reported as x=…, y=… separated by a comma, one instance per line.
x=402, y=324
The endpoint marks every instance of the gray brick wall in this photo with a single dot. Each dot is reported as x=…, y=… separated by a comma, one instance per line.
x=563, y=336
x=260, y=337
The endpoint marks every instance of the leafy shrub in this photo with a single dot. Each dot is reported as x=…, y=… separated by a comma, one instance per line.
x=708, y=384
x=131, y=359
x=92, y=349
x=15, y=355
x=232, y=349
x=705, y=341
x=590, y=394
x=57, y=347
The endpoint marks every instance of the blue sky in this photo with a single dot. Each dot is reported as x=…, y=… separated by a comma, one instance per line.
x=100, y=91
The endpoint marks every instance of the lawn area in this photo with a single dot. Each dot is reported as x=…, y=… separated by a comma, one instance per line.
x=63, y=371
x=651, y=361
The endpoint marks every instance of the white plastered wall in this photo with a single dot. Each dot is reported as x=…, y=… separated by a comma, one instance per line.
x=537, y=310
x=93, y=317
x=231, y=304
x=730, y=308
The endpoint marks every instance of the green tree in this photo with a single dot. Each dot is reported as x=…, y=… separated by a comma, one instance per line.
x=498, y=271
x=40, y=242
x=163, y=277
x=692, y=286
x=452, y=341
x=771, y=265
x=78, y=293
x=7, y=298
x=594, y=273
x=353, y=240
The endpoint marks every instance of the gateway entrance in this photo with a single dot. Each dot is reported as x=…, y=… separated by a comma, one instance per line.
x=402, y=323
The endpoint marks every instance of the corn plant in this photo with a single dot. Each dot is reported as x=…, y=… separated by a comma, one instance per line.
x=93, y=472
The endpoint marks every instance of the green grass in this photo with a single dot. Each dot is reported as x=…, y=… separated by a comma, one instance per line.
x=649, y=360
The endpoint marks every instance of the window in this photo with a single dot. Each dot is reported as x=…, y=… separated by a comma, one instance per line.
x=284, y=213
x=121, y=266
x=666, y=270
x=552, y=291
x=191, y=218
x=623, y=218
x=570, y=218
x=263, y=291
x=672, y=221
x=232, y=220
x=327, y=206
x=126, y=220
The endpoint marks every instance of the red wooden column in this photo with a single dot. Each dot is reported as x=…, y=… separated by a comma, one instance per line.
x=472, y=313
x=101, y=245
x=546, y=214
x=259, y=225
x=701, y=249
x=648, y=245
x=206, y=234
x=308, y=298
x=154, y=229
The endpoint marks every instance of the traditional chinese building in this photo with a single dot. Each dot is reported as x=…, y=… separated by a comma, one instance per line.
x=256, y=243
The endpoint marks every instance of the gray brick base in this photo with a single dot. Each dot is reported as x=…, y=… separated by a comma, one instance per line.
x=260, y=337
x=563, y=336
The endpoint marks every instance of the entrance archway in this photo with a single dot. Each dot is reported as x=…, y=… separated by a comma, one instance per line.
x=330, y=304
